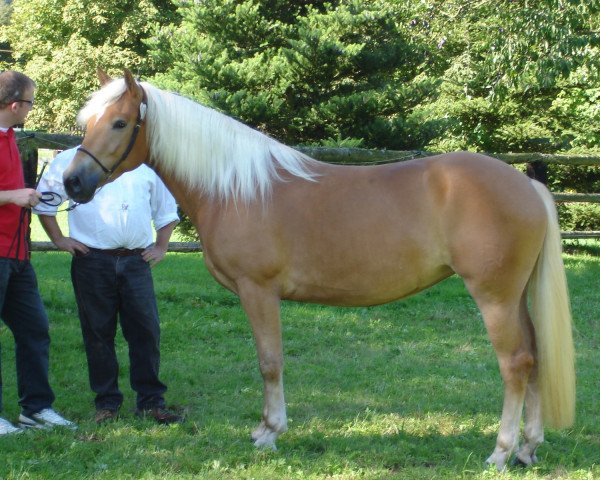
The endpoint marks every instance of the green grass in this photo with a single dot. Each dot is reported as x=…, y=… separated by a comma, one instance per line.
x=406, y=390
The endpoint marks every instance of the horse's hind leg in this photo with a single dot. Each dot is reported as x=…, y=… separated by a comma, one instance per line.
x=263, y=310
x=533, y=431
x=513, y=347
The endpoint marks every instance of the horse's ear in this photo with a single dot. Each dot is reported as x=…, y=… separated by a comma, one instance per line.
x=130, y=82
x=103, y=77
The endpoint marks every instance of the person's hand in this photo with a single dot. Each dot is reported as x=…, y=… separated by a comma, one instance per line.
x=154, y=254
x=68, y=244
x=26, y=197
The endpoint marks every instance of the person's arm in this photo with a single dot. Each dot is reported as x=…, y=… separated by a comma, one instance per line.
x=55, y=234
x=23, y=197
x=156, y=252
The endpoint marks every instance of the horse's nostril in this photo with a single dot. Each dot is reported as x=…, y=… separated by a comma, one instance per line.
x=73, y=185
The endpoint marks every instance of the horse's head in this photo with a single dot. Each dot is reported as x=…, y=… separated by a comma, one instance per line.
x=115, y=140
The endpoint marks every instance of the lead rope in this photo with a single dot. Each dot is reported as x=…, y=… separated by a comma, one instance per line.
x=22, y=215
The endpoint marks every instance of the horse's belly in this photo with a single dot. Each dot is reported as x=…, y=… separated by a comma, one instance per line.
x=364, y=287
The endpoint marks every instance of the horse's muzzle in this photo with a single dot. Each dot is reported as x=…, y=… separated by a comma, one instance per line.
x=80, y=189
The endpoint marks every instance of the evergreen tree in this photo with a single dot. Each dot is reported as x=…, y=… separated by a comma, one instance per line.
x=303, y=72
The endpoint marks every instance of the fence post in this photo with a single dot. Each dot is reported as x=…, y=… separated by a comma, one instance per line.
x=29, y=159
x=538, y=170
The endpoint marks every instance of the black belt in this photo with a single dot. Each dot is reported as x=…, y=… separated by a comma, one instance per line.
x=118, y=252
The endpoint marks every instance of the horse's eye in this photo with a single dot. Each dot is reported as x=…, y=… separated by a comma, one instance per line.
x=119, y=124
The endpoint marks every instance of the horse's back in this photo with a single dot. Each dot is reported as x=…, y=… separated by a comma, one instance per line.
x=432, y=201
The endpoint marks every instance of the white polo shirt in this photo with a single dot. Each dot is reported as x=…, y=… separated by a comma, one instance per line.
x=121, y=213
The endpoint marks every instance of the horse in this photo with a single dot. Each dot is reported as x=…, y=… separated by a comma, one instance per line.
x=275, y=224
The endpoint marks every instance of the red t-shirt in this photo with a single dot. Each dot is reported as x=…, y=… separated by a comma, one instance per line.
x=12, y=230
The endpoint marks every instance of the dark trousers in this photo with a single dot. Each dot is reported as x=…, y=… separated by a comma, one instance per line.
x=107, y=287
x=22, y=310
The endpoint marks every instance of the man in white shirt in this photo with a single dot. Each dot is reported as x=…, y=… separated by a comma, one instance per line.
x=111, y=240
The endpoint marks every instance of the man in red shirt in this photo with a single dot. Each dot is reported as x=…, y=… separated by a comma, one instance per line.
x=21, y=306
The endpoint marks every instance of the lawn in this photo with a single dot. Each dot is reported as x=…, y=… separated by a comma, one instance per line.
x=405, y=390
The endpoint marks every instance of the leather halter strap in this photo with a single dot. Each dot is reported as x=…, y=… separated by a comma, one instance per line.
x=138, y=124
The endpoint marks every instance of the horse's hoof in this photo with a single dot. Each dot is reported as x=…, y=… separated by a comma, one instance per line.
x=517, y=462
x=265, y=444
x=259, y=432
x=495, y=461
x=524, y=461
x=264, y=437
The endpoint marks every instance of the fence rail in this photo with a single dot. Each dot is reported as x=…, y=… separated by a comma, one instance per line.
x=361, y=155
x=194, y=247
x=30, y=142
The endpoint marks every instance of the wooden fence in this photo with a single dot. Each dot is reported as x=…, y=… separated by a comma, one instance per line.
x=30, y=142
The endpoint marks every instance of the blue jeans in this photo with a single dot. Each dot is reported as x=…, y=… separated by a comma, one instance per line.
x=22, y=310
x=106, y=288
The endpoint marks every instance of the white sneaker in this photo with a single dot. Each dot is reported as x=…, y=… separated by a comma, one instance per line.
x=6, y=427
x=46, y=418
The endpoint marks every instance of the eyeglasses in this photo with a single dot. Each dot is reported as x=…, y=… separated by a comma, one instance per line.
x=30, y=102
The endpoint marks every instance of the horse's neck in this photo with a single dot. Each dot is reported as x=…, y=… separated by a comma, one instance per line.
x=194, y=203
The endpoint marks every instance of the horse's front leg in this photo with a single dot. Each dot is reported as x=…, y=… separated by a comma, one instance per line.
x=263, y=310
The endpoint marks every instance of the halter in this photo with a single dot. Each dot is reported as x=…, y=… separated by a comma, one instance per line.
x=138, y=124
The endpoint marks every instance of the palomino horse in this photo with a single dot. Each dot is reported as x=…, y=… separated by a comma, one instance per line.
x=275, y=224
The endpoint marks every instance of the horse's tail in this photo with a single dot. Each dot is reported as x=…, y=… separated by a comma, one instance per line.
x=552, y=321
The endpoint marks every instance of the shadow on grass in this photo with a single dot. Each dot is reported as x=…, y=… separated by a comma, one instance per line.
x=467, y=450
x=132, y=448
x=582, y=247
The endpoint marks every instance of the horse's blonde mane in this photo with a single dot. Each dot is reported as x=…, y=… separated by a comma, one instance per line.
x=204, y=148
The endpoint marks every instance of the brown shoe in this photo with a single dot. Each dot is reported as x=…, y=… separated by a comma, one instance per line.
x=160, y=415
x=104, y=415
